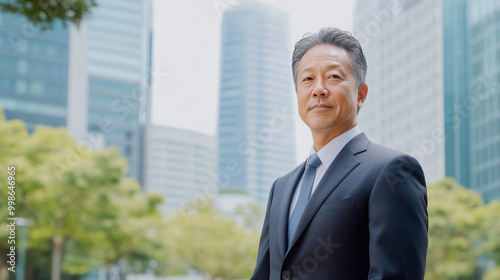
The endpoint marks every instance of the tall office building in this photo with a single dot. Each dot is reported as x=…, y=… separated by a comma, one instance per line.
x=94, y=78
x=403, y=45
x=255, y=126
x=434, y=85
x=33, y=72
x=483, y=102
x=118, y=67
x=456, y=89
x=179, y=164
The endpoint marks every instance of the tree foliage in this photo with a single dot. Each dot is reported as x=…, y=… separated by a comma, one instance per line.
x=212, y=244
x=44, y=13
x=11, y=134
x=491, y=246
x=82, y=211
x=493, y=274
x=462, y=230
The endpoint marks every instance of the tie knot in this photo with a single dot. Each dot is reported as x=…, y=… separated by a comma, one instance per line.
x=314, y=161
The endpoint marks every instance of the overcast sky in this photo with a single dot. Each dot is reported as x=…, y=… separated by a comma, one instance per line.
x=186, y=51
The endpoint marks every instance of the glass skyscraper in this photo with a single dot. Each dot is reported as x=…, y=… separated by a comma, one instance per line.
x=256, y=125
x=33, y=72
x=118, y=65
x=435, y=85
x=95, y=78
x=483, y=102
x=403, y=45
x=456, y=90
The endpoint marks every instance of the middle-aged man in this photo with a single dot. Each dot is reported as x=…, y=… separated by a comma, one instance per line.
x=353, y=209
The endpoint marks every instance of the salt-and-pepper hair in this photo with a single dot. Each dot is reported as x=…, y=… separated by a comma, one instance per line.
x=336, y=37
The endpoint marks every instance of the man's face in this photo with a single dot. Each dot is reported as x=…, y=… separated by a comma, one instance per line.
x=327, y=94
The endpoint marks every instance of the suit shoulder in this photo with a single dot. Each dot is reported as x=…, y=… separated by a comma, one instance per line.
x=383, y=156
x=363, y=148
x=388, y=158
x=383, y=152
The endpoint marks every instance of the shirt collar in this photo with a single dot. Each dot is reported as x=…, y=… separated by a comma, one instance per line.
x=330, y=151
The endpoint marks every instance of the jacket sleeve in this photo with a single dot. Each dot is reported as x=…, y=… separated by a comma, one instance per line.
x=262, y=267
x=398, y=222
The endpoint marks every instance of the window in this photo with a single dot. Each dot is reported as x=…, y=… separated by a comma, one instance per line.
x=37, y=88
x=22, y=66
x=21, y=87
x=51, y=50
x=478, y=47
x=477, y=68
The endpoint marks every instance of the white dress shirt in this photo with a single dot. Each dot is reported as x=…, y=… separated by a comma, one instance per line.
x=327, y=154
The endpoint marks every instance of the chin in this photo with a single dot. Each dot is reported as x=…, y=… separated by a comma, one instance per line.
x=320, y=125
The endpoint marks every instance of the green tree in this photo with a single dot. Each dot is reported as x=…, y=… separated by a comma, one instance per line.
x=83, y=211
x=43, y=14
x=493, y=274
x=212, y=244
x=12, y=137
x=456, y=230
x=129, y=226
x=124, y=230
x=491, y=246
x=61, y=189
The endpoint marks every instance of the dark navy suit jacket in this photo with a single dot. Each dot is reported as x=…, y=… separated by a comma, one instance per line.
x=367, y=219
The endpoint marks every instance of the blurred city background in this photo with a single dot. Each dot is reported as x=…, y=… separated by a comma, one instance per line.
x=146, y=134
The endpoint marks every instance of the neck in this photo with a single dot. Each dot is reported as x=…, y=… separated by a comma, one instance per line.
x=321, y=138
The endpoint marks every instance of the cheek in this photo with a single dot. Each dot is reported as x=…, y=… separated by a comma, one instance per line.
x=302, y=105
x=344, y=104
x=301, y=101
x=348, y=98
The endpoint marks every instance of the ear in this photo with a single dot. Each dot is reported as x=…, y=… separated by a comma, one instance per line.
x=362, y=93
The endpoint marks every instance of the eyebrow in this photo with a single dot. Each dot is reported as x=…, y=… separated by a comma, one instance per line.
x=329, y=67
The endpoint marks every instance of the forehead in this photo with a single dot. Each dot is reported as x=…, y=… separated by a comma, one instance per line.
x=325, y=55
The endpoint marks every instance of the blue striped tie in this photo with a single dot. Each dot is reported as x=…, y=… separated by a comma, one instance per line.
x=305, y=191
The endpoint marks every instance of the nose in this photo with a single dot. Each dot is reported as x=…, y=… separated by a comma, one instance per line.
x=320, y=90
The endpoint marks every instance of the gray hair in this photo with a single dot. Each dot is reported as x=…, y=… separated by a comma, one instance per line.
x=336, y=37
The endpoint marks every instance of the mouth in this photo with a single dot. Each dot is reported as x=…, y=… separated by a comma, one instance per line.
x=320, y=107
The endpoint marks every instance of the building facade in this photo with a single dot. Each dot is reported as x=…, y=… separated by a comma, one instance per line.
x=483, y=102
x=404, y=51
x=94, y=78
x=256, y=140
x=180, y=165
x=118, y=66
x=456, y=89
x=434, y=85
x=33, y=72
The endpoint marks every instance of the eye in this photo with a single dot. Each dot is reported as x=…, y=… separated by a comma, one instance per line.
x=335, y=76
x=307, y=79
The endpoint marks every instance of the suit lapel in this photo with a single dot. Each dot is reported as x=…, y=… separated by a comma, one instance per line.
x=343, y=164
x=284, y=210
